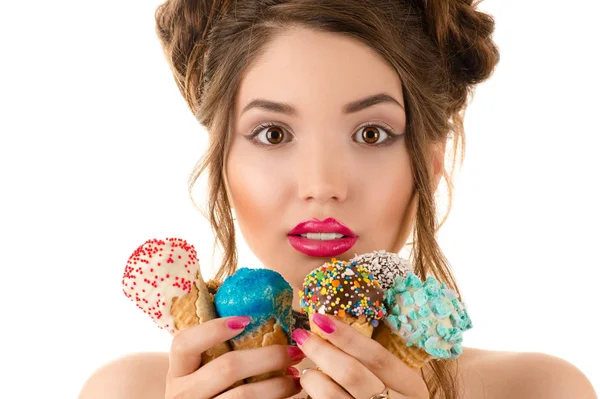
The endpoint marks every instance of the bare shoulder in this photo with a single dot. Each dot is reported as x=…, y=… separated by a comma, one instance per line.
x=139, y=375
x=498, y=375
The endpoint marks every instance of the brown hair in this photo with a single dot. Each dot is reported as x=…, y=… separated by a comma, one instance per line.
x=440, y=49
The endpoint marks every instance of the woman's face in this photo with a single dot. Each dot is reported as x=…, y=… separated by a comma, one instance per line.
x=322, y=160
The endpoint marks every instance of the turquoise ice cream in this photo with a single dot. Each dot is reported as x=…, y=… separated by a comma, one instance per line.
x=260, y=294
x=427, y=315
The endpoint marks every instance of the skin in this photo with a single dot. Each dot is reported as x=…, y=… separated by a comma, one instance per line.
x=319, y=163
x=320, y=168
x=370, y=190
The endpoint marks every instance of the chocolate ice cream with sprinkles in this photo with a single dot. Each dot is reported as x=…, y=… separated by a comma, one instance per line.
x=385, y=266
x=345, y=290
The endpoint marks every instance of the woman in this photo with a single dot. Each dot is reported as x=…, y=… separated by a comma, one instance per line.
x=329, y=117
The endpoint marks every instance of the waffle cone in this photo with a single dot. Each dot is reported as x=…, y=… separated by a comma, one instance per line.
x=183, y=310
x=270, y=333
x=212, y=286
x=195, y=308
x=413, y=356
x=360, y=324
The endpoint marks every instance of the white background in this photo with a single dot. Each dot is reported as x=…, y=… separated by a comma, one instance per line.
x=97, y=144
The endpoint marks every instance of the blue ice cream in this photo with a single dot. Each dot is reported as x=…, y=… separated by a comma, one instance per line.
x=260, y=294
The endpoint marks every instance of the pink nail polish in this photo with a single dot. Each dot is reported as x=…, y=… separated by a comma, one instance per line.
x=324, y=323
x=299, y=335
x=292, y=371
x=296, y=353
x=237, y=323
x=297, y=383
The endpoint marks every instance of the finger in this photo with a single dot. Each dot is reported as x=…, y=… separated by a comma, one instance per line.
x=319, y=386
x=345, y=370
x=238, y=365
x=187, y=346
x=382, y=363
x=278, y=387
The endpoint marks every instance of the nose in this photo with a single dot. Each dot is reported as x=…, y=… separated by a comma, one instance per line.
x=322, y=172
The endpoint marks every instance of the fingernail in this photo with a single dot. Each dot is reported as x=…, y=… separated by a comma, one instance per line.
x=295, y=353
x=299, y=335
x=293, y=371
x=324, y=323
x=237, y=323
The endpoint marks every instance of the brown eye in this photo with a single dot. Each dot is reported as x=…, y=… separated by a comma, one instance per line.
x=370, y=134
x=274, y=135
x=374, y=135
x=269, y=134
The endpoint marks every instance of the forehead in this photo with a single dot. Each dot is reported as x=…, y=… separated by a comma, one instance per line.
x=307, y=68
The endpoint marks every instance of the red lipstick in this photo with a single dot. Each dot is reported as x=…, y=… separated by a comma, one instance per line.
x=327, y=238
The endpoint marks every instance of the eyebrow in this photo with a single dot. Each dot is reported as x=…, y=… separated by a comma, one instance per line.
x=349, y=108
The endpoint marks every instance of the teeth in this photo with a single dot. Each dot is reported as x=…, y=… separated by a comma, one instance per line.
x=322, y=236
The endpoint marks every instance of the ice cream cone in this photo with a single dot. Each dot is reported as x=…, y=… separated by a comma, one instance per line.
x=413, y=356
x=265, y=297
x=162, y=277
x=193, y=309
x=345, y=291
x=183, y=310
x=425, y=321
x=267, y=334
x=360, y=324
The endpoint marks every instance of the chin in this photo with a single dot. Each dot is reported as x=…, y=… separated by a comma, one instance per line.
x=296, y=276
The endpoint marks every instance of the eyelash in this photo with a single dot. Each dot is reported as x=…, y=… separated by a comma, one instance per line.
x=392, y=137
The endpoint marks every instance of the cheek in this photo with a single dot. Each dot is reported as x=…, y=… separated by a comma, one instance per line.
x=257, y=194
x=386, y=195
x=394, y=191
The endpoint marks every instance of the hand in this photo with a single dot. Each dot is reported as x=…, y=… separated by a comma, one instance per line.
x=188, y=378
x=354, y=366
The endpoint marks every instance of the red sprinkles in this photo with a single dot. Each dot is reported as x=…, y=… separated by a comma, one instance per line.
x=153, y=292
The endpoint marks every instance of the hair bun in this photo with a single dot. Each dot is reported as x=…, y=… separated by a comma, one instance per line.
x=463, y=36
x=183, y=27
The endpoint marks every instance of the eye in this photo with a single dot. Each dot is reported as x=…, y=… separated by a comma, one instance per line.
x=370, y=134
x=268, y=134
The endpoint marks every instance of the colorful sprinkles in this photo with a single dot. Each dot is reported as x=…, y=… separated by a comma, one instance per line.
x=343, y=288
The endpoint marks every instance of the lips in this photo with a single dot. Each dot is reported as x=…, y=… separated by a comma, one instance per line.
x=322, y=248
x=329, y=225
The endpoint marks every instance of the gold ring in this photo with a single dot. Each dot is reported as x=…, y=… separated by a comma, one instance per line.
x=385, y=394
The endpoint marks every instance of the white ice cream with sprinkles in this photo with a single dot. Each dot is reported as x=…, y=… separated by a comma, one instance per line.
x=385, y=266
x=157, y=272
